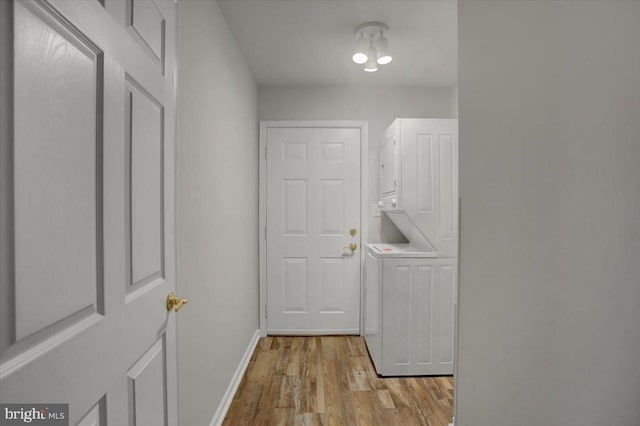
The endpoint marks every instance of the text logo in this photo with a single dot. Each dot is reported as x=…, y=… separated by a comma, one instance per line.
x=34, y=414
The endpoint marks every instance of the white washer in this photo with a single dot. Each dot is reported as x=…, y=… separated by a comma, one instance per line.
x=409, y=310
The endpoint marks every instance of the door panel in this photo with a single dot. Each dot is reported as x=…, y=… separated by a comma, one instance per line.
x=417, y=303
x=332, y=206
x=87, y=217
x=147, y=387
x=423, y=299
x=447, y=185
x=332, y=284
x=294, y=209
x=389, y=167
x=424, y=168
x=295, y=291
x=447, y=303
x=95, y=416
x=144, y=119
x=146, y=24
x=54, y=162
x=313, y=199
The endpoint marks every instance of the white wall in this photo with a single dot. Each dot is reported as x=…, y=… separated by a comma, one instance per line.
x=379, y=106
x=217, y=208
x=550, y=186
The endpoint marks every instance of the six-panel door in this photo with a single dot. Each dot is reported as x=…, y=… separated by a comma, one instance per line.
x=313, y=201
x=87, y=209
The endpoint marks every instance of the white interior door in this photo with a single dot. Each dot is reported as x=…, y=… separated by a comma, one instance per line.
x=87, y=199
x=313, y=201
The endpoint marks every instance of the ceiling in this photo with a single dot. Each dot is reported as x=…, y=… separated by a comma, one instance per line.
x=310, y=42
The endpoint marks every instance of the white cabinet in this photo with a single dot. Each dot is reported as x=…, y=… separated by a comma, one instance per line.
x=409, y=314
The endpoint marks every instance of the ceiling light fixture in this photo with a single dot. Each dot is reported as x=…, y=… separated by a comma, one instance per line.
x=372, y=47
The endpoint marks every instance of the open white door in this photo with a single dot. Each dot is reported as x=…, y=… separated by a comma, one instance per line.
x=312, y=217
x=87, y=216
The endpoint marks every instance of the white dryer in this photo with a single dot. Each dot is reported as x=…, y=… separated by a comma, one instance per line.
x=418, y=178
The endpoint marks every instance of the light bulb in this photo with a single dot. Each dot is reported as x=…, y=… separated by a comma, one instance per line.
x=384, y=60
x=384, y=57
x=360, y=53
x=371, y=65
x=359, y=58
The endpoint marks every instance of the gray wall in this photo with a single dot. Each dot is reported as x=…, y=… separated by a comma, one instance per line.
x=217, y=208
x=377, y=105
x=550, y=184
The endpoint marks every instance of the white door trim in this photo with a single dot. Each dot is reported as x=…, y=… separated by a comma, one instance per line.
x=262, y=206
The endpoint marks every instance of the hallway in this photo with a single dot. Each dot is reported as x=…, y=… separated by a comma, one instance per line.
x=329, y=380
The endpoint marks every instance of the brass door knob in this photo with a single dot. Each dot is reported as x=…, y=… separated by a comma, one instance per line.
x=353, y=246
x=175, y=302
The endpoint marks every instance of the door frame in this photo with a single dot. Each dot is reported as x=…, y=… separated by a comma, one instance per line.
x=363, y=126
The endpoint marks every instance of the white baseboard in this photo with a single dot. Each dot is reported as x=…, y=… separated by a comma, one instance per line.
x=221, y=412
x=323, y=332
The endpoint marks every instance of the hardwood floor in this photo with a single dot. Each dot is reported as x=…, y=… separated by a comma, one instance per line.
x=330, y=380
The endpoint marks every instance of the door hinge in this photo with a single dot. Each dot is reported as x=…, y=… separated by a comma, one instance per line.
x=395, y=183
x=265, y=311
x=265, y=232
x=265, y=152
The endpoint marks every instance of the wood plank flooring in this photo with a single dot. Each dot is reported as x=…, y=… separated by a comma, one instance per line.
x=330, y=380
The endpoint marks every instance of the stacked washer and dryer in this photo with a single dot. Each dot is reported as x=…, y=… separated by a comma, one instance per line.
x=411, y=286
